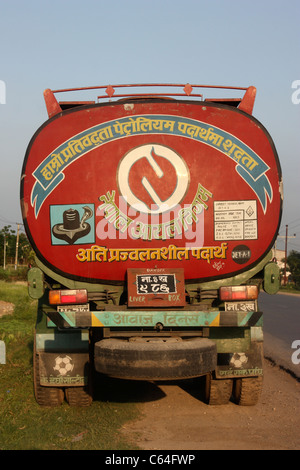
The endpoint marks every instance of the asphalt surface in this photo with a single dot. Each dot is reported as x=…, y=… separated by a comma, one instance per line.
x=282, y=330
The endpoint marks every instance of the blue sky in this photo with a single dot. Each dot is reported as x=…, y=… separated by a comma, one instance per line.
x=71, y=43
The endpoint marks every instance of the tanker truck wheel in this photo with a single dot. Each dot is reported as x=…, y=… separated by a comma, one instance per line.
x=217, y=391
x=81, y=396
x=45, y=396
x=246, y=391
x=78, y=396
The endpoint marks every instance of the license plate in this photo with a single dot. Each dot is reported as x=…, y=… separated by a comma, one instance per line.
x=241, y=306
x=156, y=287
x=156, y=284
x=73, y=308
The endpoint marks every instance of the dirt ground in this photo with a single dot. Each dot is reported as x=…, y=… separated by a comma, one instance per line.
x=6, y=308
x=175, y=417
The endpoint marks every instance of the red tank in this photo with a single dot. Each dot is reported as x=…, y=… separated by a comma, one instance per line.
x=151, y=182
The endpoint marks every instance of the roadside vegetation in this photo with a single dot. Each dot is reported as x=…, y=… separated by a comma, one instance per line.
x=10, y=274
x=24, y=425
x=14, y=248
x=293, y=264
x=289, y=289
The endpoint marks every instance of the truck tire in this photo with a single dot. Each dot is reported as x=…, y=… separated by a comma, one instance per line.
x=45, y=396
x=247, y=391
x=81, y=396
x=155, y=358
x=217, y=391
x=78, y=396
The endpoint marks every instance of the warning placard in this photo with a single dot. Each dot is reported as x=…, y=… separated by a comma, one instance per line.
x=235, y=220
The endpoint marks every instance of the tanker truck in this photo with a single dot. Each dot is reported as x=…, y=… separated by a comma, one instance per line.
x=152, y=210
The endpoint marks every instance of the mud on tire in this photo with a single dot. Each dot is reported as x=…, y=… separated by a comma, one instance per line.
x=247, y=390
x=217, y=391
x=78, y=396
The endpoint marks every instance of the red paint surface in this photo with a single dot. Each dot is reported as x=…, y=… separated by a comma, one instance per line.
x=94, y=174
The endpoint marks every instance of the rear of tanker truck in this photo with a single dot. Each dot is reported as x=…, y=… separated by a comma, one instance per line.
x=152, y=215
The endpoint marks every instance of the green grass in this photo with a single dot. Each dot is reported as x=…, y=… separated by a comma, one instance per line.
x=10, y=274
x=21, y=323
x=24, y=425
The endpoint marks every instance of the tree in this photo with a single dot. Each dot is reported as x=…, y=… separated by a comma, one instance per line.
x=293, y=263
x=8, y=244
x=26, y=253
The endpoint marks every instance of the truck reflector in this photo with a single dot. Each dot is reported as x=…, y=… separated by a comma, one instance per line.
x=238, y=293
x=59, y=297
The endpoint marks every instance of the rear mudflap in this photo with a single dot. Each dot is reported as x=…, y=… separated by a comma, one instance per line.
x=241, y=364
x=61, y=369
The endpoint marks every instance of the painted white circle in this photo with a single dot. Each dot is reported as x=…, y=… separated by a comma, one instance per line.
x=180, y=167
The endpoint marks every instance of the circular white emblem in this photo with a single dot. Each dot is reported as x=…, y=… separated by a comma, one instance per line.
x=129, y=179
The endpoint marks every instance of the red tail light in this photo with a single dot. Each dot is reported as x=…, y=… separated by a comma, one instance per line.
x=238, y=293
x=60, y=297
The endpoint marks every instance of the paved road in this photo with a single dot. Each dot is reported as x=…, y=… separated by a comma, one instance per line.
x=282, y=329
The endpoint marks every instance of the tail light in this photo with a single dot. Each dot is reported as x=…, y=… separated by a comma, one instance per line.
x=238, y=293
x=60, y=297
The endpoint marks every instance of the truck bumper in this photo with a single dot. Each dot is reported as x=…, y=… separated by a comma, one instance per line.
x=150, y=318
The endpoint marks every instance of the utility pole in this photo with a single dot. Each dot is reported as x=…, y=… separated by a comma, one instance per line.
x=286, y=251
x=285, y=257
x=17, y=247
x=4, y=253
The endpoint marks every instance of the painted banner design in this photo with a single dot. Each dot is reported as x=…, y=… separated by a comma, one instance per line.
x=248, y=164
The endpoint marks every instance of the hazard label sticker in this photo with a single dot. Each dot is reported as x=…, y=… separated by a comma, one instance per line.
x=235, y=220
